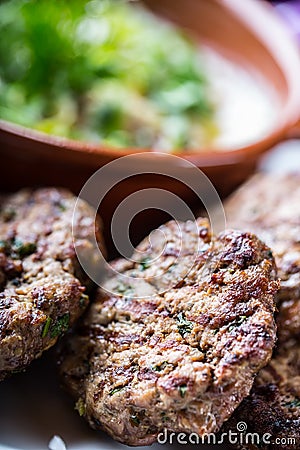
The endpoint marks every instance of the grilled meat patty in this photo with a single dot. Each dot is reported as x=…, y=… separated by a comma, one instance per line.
x=177, y=351
x=273, y=406
x=41, y=283
x=270, y=208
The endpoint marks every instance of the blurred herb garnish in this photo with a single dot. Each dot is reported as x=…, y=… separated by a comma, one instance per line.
x=102, y=71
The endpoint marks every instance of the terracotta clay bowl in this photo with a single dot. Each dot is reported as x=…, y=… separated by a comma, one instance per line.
x=248, y=33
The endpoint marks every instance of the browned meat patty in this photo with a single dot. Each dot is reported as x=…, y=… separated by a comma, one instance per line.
x=41, y=283
x=270, y=207
x=273, y=405
x=182, y=358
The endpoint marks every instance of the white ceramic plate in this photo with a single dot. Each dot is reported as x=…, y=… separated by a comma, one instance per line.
x=34, y=408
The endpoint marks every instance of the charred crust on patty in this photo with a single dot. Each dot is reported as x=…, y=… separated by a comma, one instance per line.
x=273, y=406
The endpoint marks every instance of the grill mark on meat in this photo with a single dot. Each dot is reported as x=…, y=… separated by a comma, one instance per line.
x=240, y=253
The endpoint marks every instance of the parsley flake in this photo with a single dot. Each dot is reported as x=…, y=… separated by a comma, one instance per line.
x=184, y=326
x=60, y=326
x=182, y=390
x=46, y=327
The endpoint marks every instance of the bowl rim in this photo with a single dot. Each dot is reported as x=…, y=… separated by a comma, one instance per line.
x=207, y=157
x=283, y=48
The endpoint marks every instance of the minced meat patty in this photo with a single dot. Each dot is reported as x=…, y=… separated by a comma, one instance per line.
x=42, y=287
x=269, y=206
x=273, y=406
x=180, y=358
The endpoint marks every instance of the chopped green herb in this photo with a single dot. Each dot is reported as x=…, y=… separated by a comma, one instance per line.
x=184, y=326
x=145, y=263
x=75, y=75
x=134, y=420
x=84, y=299
x=80, y=406
x=46, y=327
x=164, y=417
x=215, y=331
x=124, y=289
x=116, y=389
x=270, y=254
x=16, y=282
x=182, y=390
x=60, y=206
x=17, y=248
x=21, y=249
x=60, y=326
x=294, y=403
x=237, y=322
x=160, y=367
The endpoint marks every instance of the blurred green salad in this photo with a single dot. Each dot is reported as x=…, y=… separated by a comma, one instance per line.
x=102, y=71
